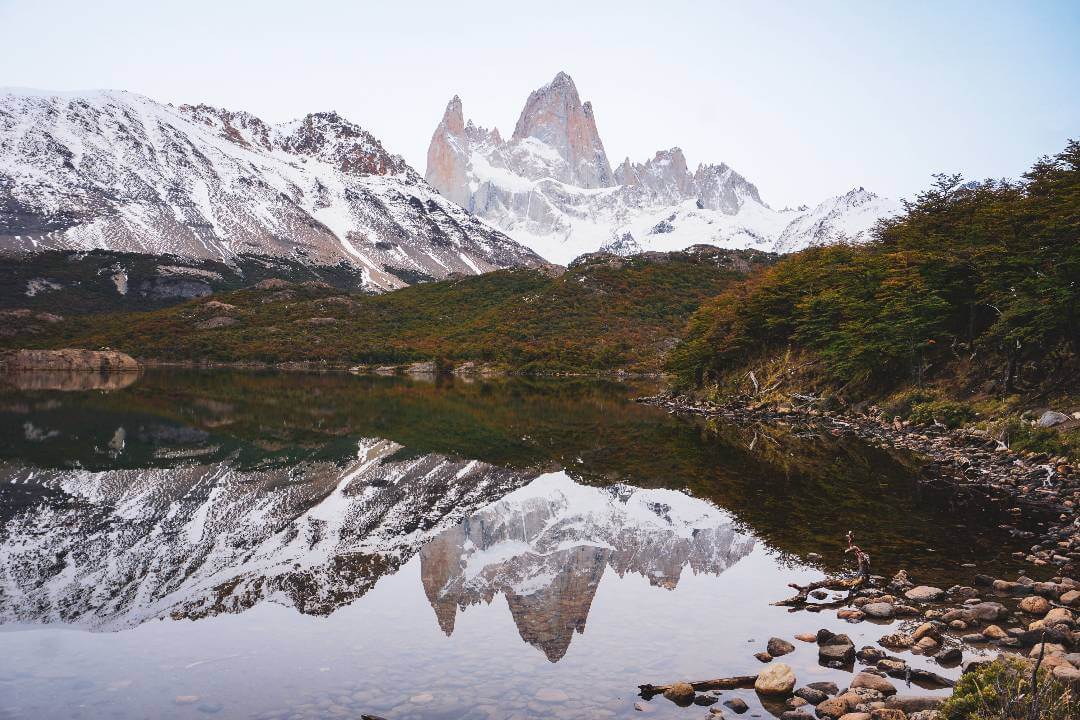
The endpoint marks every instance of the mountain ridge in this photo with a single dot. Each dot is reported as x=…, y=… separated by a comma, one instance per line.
x=543, y=188
x=116, y=170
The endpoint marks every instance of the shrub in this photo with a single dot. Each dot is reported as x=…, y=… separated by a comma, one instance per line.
x=1002, y=690
x=949, y=413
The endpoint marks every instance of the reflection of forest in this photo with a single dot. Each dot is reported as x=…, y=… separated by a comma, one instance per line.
x=798, y=493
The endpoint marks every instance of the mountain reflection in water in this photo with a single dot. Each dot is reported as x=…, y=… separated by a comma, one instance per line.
x=339, y=539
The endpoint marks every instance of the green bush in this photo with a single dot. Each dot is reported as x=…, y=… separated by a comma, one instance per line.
x=1025, y=437
x=1002, y=690
x=951, y=414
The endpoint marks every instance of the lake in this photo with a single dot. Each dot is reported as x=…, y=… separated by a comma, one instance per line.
x=198, y=544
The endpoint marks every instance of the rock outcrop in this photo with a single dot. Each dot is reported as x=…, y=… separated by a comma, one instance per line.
x=70, y=360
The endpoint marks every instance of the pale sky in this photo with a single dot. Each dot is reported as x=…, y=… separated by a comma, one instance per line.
x=806, y=99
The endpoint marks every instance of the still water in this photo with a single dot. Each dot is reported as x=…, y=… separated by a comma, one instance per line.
x=220, y=544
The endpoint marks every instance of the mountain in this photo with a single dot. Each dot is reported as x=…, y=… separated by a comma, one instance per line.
x=546, y=546
x=118, y=171
x=551, y=187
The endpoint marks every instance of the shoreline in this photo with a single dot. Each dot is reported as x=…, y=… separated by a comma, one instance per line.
x=978, y=613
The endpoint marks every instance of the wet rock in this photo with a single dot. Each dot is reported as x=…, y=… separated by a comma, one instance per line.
x=869, y=655
x=914, y=703
x=887, y=714
x=924, y=593
x=994, y=632
x=833, y=708
x=737, y=705
x=806, y=637
x=824, y=635
x=796, y=702
x=826, y=687
x=680, y=693
x=894, y=667
x=763, y=657
x=989, y=612
x=842, y=654
x=949, y=656
x=874, y=682
x=850, y=614
x=706, y=700
x=927, y=629
x=926, y=644
x=878, y=609
x=778, y=647
x=777, y=679
x=897, y=640
x=812, y=695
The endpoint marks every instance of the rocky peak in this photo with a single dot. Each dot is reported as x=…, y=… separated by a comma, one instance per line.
x=555, y=116
x=239, y=127
x=665, y=176
x=331, y=138
x=453, y=120
x=721, y=188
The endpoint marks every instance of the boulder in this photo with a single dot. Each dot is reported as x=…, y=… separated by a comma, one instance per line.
x=778, y=647
x=1072, y=598
x=874, y=682
x=1067, y=674
x=924, y=593
x=887, y=714
x=828, y=687
x=897, y=640
x=836, y=653
x=777, y=679
x=680, y=693
x=737, y=705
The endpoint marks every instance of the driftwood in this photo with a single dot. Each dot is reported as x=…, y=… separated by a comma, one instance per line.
x=849, y=585
x=725, y=683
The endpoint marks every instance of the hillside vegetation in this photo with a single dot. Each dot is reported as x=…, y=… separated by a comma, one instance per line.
x=604, y=312
x=972, y=290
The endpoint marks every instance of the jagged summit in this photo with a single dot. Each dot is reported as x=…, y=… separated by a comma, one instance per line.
x=552, y=188
x=116, y=170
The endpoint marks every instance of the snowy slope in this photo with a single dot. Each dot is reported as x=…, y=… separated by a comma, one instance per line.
x=551, y=187
x=118, y=171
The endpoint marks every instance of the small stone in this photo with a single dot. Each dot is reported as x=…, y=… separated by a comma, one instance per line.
x=642, y=707
x=706, y=700
x=897, y=640
x=994, y=632
x=811, y=695
x=680, y=693
x=878, y=609
x=924, y=630
x=763, y=657
x=833, y=708
x=806, y=637
x=989, y=611
x=737, y=705
x=850, y=614
x=926, y=644
x=778, y=647
x=949, y=656
x=924, y=593
x=874, y=682
x=796, y=702
x=777, y=679
x=826, y=686
x=1035, y=605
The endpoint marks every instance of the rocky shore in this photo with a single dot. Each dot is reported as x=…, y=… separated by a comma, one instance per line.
x=964, y=625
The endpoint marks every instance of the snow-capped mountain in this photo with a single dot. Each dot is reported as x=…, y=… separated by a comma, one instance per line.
x=546, y=546
x=119, y=171
x=551, y=187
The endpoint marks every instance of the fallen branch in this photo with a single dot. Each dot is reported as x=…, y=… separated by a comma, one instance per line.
x=725, y=683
